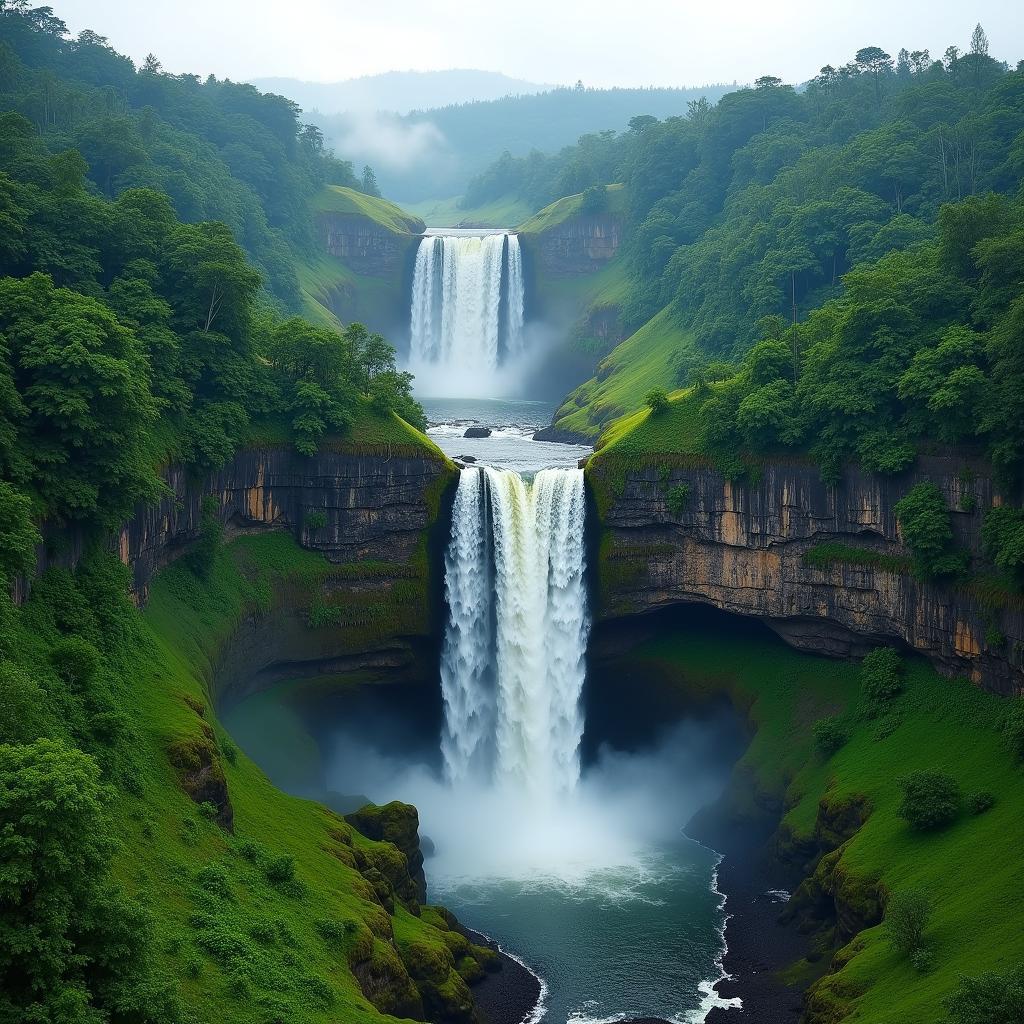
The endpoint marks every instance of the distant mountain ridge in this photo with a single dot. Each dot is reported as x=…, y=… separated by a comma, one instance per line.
x=400, y=92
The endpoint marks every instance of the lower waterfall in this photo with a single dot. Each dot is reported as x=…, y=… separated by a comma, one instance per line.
x=512, y=666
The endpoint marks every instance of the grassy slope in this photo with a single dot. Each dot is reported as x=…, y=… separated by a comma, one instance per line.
x=971, y=869
x=166, y=841
x=568, y=206
x=643, y=361
x=339, y=199
x=447, y=213
x=371, y=433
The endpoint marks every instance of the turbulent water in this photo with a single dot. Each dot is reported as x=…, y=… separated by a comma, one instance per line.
x=467, y=308
x=513, y=663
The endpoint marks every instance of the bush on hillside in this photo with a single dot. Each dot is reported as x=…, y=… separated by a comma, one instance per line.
x=990, y=998
x=979, y=803
x=931, y=799
x=881, y=680
x=829, y=735
x=906, y=917
x=1014, y=727
x=656, y=400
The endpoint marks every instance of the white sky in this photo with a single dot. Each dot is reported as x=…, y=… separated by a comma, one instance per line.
x=602, y=42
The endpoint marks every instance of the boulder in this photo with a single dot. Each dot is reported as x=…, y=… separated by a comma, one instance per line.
x=477, y=432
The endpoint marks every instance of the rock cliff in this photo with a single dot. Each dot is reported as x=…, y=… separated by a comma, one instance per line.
x=377, y=518
x=368, y=248
x=581, y=244
x=744, y=547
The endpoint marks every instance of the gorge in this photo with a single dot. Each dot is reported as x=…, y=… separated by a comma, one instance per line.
x=593, y=598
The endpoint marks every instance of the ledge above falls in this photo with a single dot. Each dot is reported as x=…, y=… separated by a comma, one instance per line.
x=742, y=547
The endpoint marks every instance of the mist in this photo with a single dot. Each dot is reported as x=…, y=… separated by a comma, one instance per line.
x=387, y=142
x=624, y=803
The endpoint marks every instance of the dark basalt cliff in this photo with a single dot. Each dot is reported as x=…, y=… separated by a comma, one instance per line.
x=379, y=519
x=365, y=246
x=741, y=547
x=581, y=244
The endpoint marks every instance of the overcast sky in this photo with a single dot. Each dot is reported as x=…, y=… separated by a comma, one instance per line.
x=602, y=42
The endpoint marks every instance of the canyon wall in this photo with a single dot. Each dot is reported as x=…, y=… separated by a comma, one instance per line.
x=581, y=244
x=378, y=519
x=367, y=247
x=742, y=547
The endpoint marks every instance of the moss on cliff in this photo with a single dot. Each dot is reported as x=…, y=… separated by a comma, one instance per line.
x=969, y=868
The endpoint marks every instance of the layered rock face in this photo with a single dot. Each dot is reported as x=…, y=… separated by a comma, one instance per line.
x=741, y=547
x=580, y=245
x=373, y=516
x=364, y=245
x=350, y=507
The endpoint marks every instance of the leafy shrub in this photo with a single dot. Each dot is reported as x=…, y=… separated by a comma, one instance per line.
x=906, y=917
x=75, y=661
x=250, y=850
x=881, y=680
x=829, y=735
x=208, y=810
x=990, y=998
x=316, y=520
x=656, y=400
x=931, y=799
x=678, y=499
x=924, y=521
x=281, y=870
x=214, y=879
x=979, y=803
x=1002, y=535
x=923, y=960
x=230, y=751
x=1013, y=727
x=23, y=701
x=332, y=930
x=264, y=932
x=595, y=199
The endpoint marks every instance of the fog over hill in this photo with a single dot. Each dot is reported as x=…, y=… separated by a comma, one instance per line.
x=433, y=153
x=399, y=92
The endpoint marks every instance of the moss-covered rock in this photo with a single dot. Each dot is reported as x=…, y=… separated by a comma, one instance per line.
x=396, y=823
x=385, y=982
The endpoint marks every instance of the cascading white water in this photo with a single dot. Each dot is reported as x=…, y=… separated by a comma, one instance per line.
x=467, y=306
x=523, y=723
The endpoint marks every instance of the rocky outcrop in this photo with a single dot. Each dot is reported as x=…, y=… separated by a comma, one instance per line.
x=581, y=244
x=743, y=547
x=365, y=246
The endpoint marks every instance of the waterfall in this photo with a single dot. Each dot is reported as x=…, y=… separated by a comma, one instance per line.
x=467, y=303
x=514, y=579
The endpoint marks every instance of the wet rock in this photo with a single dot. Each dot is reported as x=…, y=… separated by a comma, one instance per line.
x=477, y=432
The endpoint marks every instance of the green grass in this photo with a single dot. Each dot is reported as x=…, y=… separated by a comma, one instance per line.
x=504, y=212
x=569, y=206
x=371, y=433
x=334, y=294
x=643, y=361
x=971, y=869
x=182, y=632
x=835, y=553
x=339, y=199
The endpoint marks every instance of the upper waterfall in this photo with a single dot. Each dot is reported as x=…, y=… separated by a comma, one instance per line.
x=514, y=580
x=467, y=310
